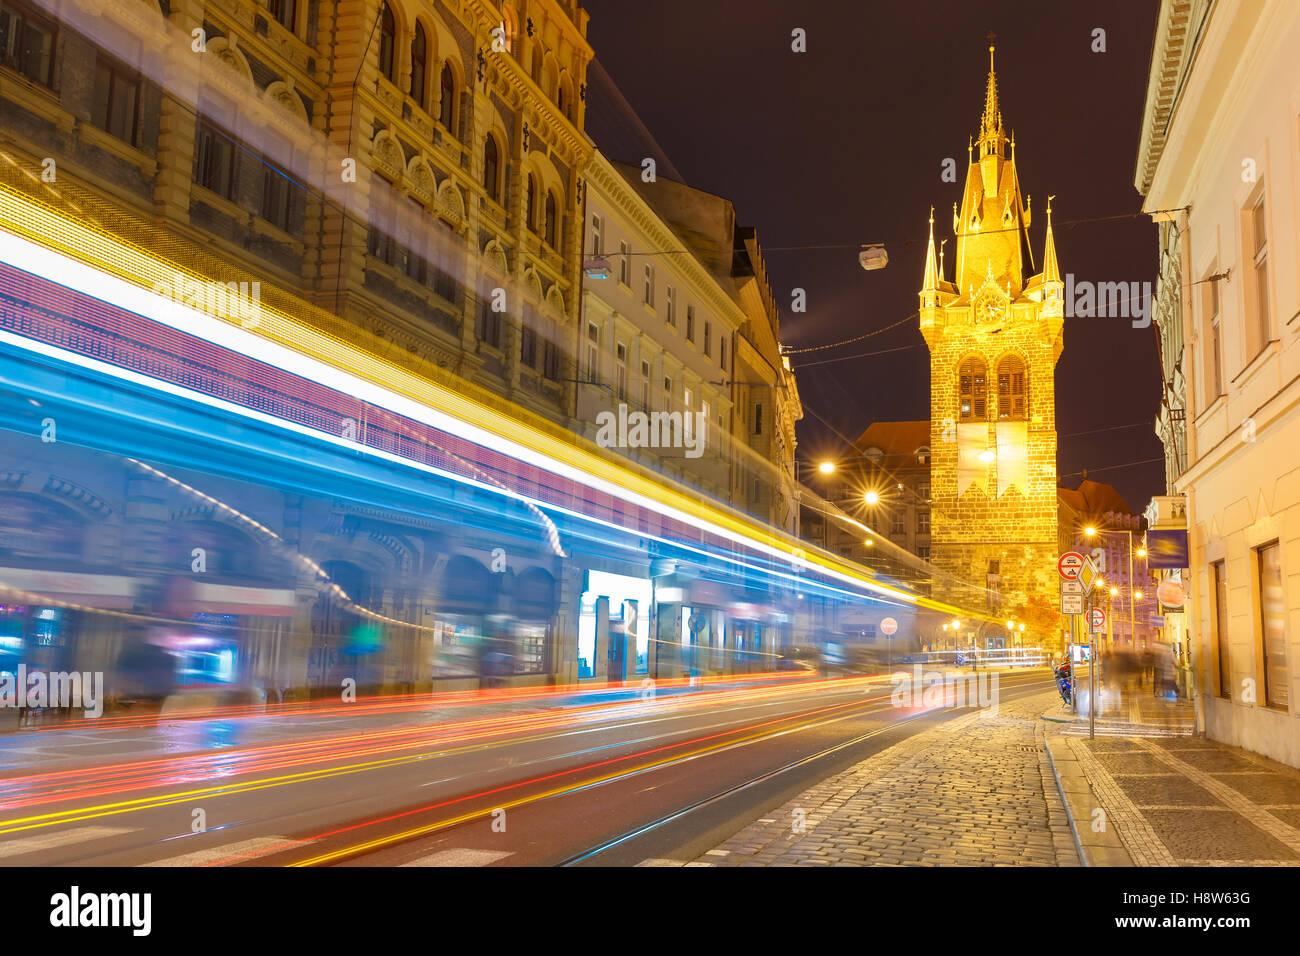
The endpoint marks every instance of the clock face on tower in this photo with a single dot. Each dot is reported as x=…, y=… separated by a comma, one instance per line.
x=990, y=313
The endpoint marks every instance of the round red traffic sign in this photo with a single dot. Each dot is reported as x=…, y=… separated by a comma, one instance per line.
x=1069, y=565
x=1171, y=594
x=888, y=626
x=1097, y=618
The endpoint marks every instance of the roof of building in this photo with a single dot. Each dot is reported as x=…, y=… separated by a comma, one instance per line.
x=1093, y=497
x=895, y=438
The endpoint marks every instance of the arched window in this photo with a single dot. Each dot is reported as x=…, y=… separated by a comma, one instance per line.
x=447, y=99
x=550, y=219
x=1013, y=389
x=972, y=389
x=387, y=42
x=562, y=100
x=419, y=48
x=491, y=167
x=531, y=211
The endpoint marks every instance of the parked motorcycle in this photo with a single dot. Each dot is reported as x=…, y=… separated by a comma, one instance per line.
x=1063, y=675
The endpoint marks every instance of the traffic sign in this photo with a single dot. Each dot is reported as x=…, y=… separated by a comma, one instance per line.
x=888, y=626
x=1071, y=587
x=1071, y=603
x=1087, y=574
x=1068, y=565
x=1097, y=619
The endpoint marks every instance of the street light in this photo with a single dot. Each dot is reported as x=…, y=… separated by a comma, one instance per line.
x=872, y=497
x=826, y=467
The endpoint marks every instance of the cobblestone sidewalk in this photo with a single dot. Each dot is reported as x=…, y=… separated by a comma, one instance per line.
x=1182, y=801
x=976, y=791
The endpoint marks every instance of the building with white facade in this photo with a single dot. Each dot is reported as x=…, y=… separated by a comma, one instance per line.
x=1219, y=166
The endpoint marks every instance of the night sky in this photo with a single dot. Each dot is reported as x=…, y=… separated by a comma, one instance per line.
x=843, y=145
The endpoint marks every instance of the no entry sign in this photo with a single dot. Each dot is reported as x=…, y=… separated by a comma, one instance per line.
x=1097, y=619
x=1069, y=564
x=888, y=626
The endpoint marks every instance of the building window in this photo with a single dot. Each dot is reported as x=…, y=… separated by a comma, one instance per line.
x=117, y=99
x=419, y=61
x=1259, y=236
x=1219, y=582
x=597, y=246
x=491, y=168
x=897, y=523
x=708, y=340
x=1213, y=338
x=528, y=347
x=27, y=42
x=923, y=522
x=284, y=12
x=387, y=42
x=488, y=324
x=758, y=418
x=620, y=371
x=447, y=99
x=971, y=388
x=722, y=353
x=530, y=211
x=690, y=323
x=550, y=219
x=551, y=362
x=649, y=285
x=593, y=352
x=923, y=552
x=1011, y=388
x=645, y=385
x=1272, y=623
x=624, y=264
x=277, y=197
x=670, y=305
x=668, y=393
x=923, y=491
x=214, y=160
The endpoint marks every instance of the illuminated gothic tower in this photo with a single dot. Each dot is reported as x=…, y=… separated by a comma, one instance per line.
x=994, y=338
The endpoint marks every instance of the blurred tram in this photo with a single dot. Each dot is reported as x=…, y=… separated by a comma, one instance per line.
x=257, y=510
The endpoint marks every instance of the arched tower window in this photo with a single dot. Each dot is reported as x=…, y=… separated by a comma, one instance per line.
x=419, y=55
x=387, y=42
x=447, y=102
x=972, y=389
x=491, y=167
x=1013, y=389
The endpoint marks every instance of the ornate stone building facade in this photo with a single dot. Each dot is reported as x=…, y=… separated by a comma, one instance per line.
x=995, y=334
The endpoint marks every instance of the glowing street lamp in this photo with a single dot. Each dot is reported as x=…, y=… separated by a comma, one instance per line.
x=987, y=455
x=1090, y=532
x=826, y=467
x=872, y=497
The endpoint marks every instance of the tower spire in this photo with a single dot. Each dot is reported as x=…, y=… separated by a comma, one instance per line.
x=1051, y=269
x=991, y=134
x=931, y=281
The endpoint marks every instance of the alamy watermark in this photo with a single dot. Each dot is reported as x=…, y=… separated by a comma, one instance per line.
x=67, y=689
x=931, y=689
x=1108, y=300
x=241, y=301
x=626, y=429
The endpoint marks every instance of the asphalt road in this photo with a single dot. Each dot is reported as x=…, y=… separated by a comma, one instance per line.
x=533, y=779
